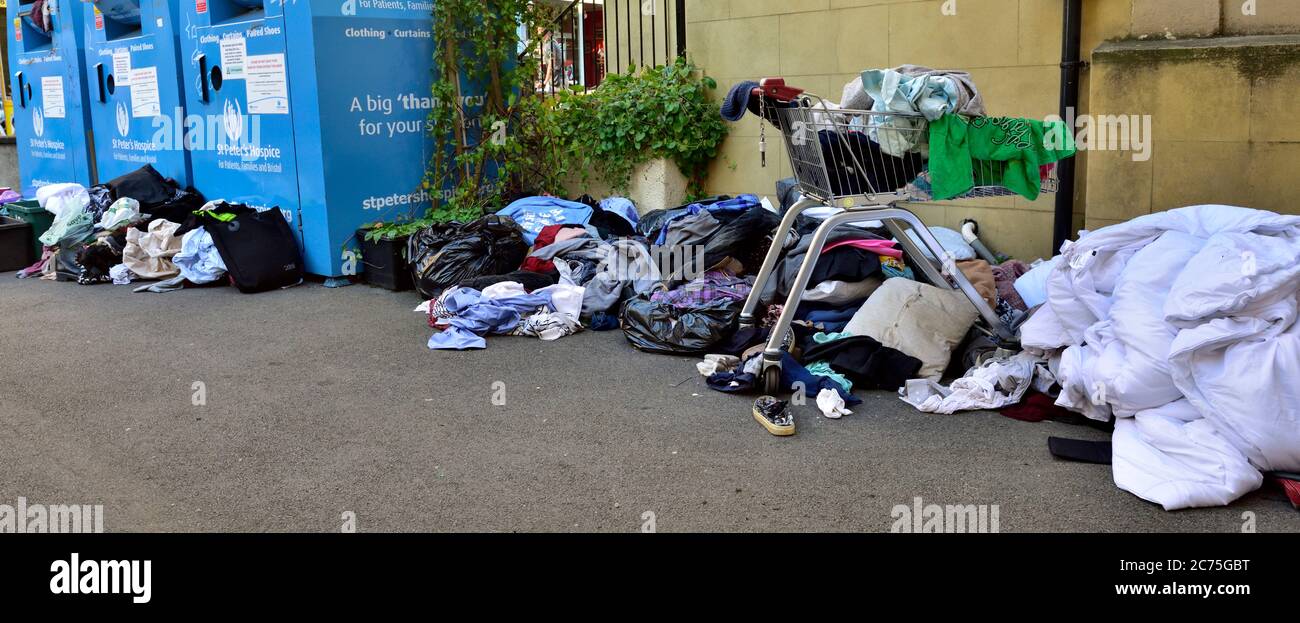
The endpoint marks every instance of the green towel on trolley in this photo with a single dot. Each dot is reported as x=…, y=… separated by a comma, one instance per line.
x=1008, y=151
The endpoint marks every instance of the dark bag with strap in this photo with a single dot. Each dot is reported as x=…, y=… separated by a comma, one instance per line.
x=259, y=249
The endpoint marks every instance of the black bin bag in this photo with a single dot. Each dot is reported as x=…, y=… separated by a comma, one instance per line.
x=662, y=328
x=145, y=184
x=260, y=250
x=445, y=255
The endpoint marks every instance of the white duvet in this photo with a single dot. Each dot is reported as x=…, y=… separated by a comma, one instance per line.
x=1182, y=324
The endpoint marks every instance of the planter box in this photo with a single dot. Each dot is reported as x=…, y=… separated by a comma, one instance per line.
x=384, y=263
x=33, y=214
x=655, y=185
x=15, y=244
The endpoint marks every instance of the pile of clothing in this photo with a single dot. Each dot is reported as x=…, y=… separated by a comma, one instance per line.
x=707, y=253
x=541, y=266
x=913, y=89
x=464, y=315
x=105, y=232
x=142, y=226
x=865, y=321
x=673, y=280
x=713, y=248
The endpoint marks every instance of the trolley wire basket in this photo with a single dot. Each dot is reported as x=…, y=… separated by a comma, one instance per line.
x=863, y=157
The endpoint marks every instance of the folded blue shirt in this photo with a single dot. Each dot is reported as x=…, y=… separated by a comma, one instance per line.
x=536, y=213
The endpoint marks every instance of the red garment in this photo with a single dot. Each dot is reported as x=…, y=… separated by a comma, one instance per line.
x=39, y=18
x=1035, y=407
x=1292, y=490
x=545, y=238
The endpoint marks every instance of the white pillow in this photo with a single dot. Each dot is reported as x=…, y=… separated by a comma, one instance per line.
x=917, y=319
x=951, y=240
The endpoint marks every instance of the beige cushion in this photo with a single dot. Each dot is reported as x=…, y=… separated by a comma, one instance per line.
x=917, y=319
x=149, y=254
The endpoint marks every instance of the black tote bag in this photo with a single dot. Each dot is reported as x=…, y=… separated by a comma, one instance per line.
x=260, y=251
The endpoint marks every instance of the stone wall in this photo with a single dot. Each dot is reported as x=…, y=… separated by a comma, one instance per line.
x=1219, y=81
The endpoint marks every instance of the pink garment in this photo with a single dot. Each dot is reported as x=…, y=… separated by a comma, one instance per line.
x=879, y=247
x=43, y=265
x=567, y=233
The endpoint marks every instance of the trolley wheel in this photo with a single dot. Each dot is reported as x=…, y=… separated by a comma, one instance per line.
x=772, y=379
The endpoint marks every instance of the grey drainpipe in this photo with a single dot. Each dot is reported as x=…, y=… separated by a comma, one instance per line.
x=1071, y=64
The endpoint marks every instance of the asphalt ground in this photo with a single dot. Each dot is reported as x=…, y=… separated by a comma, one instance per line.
x=318, y=403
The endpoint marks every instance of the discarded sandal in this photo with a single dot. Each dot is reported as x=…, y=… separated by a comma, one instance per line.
x=774, y=415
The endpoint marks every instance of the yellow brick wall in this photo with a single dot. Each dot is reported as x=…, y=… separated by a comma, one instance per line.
x=1220, y=134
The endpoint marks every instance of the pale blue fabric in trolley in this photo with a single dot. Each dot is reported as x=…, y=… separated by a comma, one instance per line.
x=930, y=95
x=914, y=89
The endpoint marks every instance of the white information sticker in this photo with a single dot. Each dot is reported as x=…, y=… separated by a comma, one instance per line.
x=52, y=97
x=122, y=68
x=233, y=52
x=268, y=91
x=144, y=92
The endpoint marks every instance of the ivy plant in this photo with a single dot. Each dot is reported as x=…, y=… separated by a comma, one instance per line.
x=654, y=112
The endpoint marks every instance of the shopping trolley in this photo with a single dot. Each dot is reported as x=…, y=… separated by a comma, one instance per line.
x=867, y=163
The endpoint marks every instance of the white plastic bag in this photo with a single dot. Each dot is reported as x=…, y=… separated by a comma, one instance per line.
x=63, y=199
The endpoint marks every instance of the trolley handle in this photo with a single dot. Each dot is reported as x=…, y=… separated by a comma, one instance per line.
x=776, y=89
